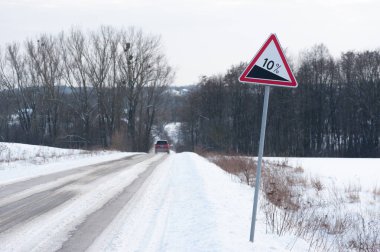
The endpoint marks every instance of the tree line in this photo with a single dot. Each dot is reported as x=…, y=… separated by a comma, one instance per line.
x=83, y=89
x=335, y=111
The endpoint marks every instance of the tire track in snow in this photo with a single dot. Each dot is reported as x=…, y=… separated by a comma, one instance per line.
x=85, y=234
x=37, y=202
x=14, y=188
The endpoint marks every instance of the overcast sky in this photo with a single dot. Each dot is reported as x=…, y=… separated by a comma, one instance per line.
x=206, y=37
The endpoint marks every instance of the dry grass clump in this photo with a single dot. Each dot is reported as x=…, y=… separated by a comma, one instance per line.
x=280, y=187
x=366, y=236
x=376, y=192
x=353, y=192
x=243, y=167
x=316, y=184
x=277, y=221
x=280, y=183
x=299, y=169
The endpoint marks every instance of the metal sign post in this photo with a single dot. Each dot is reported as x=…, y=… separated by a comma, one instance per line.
x=258, y=172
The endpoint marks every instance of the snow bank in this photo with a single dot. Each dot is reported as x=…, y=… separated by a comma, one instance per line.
x=23, y=161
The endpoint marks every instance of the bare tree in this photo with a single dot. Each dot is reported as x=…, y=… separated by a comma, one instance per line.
x=100, y=58
x=76, y=76
x=143, y=68
x=45, y=66
x=15, y=79
x=151, y=100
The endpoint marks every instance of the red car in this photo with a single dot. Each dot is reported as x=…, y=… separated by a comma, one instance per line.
x=162, y=146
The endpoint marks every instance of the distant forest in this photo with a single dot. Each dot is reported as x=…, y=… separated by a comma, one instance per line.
x=110, y=89
x=334, y=112
x=83, y=90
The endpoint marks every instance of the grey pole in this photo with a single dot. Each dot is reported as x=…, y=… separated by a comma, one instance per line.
x=258, y=172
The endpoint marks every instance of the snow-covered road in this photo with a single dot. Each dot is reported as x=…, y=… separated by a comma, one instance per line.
x=67, y=210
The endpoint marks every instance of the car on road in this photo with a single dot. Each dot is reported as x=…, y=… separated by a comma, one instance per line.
x=162, y=146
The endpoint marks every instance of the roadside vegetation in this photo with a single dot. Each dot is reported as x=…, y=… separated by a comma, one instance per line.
x=330, y=217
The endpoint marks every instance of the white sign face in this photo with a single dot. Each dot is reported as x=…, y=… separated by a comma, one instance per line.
x=270, y=61
x=269, y=67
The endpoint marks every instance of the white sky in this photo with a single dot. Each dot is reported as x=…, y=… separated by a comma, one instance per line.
x=206, y=37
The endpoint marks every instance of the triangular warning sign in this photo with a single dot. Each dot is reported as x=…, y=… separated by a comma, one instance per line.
x=269, y=66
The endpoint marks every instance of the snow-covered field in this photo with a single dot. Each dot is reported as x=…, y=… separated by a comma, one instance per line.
x=187, y=204
x=341, y=171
